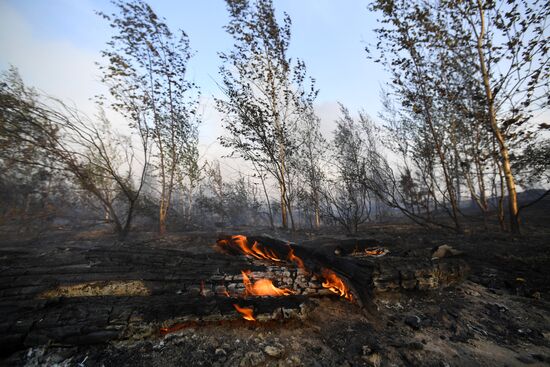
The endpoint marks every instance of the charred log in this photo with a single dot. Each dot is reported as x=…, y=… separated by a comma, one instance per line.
x=362, y=275
x=84, y=295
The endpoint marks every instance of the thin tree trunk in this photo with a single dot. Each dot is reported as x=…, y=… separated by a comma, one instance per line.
x=456, y=160
x=289, y=207
x=444, y=165
x=282, y=155
x=504, y=154
x=130, y=215
x=291, y=215
x=283, y=206
x=162, y=222
x=189, y=207
x=317, y=210
x=262, y=179
x=501, y=199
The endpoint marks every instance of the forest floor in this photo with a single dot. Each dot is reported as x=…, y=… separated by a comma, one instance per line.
x=499, y=315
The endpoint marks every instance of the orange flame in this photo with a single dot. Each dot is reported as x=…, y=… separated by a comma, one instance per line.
x=263, y=287
x=246, y=312
x=256, y=250
x=296, y=259
x=259, y=251
x=336, y=285
x=171, y=329
x=374, y=252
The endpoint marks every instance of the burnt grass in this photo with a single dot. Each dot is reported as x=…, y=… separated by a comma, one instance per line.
x=499, y=315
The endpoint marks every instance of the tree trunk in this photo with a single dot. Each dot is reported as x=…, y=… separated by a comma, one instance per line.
x=317, y=217
x=283, y=206
x=280, y=140
x=162, y=222
x=270, y=211
x=189, y=207
x=501, y=199
x=290, y=213
x=129, y=216
x=504, y=154
x=439, y=150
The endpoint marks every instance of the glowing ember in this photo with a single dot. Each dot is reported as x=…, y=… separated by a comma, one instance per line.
x=295, y=259
x=370, y=252
x=336, y=285
x=375, y=252
x=263, y=287
x=171, y=329
x=264, y=253
x=256, y=250
x=246, y=312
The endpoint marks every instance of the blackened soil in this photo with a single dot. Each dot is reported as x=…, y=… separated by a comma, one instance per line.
x=499, y=316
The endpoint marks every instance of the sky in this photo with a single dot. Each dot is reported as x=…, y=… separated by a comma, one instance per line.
x=56, y=43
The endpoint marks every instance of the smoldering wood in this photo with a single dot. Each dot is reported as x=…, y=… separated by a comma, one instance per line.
x=366, y=275
x=76, y=296
x=79, y=295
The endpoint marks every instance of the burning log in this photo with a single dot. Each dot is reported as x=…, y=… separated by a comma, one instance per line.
x=336, y=285
x=263, y=287
x=335, y=272
x=247, y=312
x=353, y=269
x=106, y=293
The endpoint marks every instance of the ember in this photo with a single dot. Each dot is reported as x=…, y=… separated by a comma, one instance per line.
x=336, y=285
x=374, y=252
x=295, y=259
x=246, y=312
x=370, y=252
x=263, y=287
x=255, y=250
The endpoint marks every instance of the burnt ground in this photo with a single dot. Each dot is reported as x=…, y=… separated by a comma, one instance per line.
x=499, y=315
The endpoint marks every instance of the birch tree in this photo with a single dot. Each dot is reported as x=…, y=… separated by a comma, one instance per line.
x=444, y=54
x=145, y=70
x=266, y=92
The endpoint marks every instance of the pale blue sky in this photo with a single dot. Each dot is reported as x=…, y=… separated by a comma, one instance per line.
x=329, y=35
x=55, y=44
